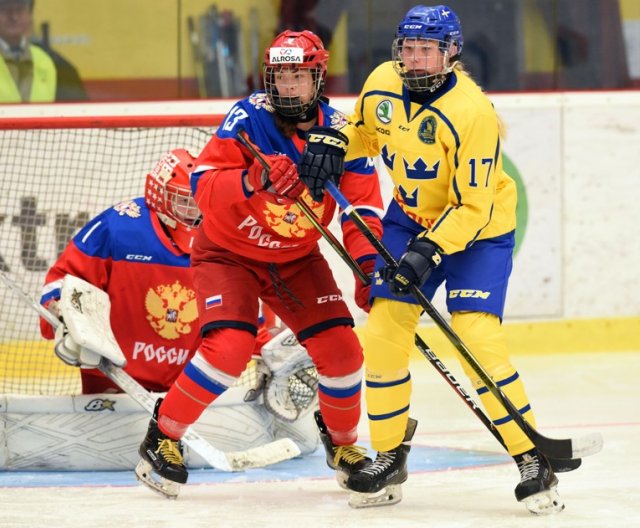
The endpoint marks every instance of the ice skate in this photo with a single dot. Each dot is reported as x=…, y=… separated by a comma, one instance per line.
x=162, y=468
x=538, y=484
x=345, y=460
x=379, y=484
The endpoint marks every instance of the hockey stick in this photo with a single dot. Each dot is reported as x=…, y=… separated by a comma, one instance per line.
x=553, y=448
x=283, y=449
x=328, y=236
x=422, y=346
x=578, y=448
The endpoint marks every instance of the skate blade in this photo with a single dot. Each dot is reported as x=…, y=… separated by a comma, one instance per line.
x=545, y=502
x=385, y=497
x=342, y=477
x=145, y=475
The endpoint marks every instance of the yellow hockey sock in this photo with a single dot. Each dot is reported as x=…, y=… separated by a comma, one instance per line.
x=388, y=341
x=484, y=336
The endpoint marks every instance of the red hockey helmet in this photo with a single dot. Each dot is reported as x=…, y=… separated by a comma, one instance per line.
x=288, y=54
x=168, y=193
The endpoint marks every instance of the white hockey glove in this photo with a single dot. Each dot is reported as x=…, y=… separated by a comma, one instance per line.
x=66, y=348
x=85, y=337
x=293, y=385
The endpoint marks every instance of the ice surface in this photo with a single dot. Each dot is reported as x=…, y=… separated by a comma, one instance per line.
x=459, y=475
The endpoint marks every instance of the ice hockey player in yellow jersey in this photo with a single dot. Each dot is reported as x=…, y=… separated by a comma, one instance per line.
x=452, y=220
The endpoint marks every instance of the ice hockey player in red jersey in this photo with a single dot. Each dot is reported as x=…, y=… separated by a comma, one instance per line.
x=138, y=252
x=256, y=243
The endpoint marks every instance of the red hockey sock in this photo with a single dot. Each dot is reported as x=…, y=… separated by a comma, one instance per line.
x=221, y=358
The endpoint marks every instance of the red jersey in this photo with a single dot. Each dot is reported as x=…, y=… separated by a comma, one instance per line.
x=126, y=252
x=250, y=226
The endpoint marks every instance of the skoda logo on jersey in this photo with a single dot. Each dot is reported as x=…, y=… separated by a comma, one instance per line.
x=384, y=111
x=427, y=130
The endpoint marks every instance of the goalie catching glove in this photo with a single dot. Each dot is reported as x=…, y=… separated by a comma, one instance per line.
x=322, y=159
x=414, y=267
x=281, y=184
x=85, y=336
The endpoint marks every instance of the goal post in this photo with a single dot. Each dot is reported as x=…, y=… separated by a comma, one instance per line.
x=56, y=174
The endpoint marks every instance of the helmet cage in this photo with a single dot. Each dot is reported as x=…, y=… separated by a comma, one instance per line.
x=438, y=24
x=181, y=206
x=293, y=51
x=420, y=80
x=168, y=192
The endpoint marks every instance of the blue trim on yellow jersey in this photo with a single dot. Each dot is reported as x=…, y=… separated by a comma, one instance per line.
x=442, y=217
x=427, y=98
x=475, y=237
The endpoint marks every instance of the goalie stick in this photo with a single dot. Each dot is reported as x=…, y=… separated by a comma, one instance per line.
x=271, y=453
x=553, y=448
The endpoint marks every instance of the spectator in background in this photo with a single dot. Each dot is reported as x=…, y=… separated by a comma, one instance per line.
x=31, y=72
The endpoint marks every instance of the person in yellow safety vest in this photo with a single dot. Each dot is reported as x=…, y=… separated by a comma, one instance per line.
x=31, y=72
x=27, y=73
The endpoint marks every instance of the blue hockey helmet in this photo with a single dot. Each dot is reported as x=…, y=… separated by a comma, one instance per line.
x=435, y=23
x=438, y=24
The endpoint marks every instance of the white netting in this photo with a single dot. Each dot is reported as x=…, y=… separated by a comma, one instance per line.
x=52, y=182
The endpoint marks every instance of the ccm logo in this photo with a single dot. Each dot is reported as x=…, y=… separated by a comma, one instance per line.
x=333, y=141
x=472, y=294
x=144, y=258
x=329, y=298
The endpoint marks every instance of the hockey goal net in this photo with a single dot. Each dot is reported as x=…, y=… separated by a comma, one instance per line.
x=56, y=175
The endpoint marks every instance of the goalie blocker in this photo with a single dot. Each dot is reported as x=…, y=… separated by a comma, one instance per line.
x=85, y=337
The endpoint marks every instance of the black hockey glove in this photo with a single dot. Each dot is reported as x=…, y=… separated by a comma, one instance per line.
x=322, y=159
x=414, y=267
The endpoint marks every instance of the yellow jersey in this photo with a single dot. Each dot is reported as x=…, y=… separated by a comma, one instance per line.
x=444, y=156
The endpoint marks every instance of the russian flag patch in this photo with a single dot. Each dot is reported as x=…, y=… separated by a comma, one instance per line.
x=213, y=301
